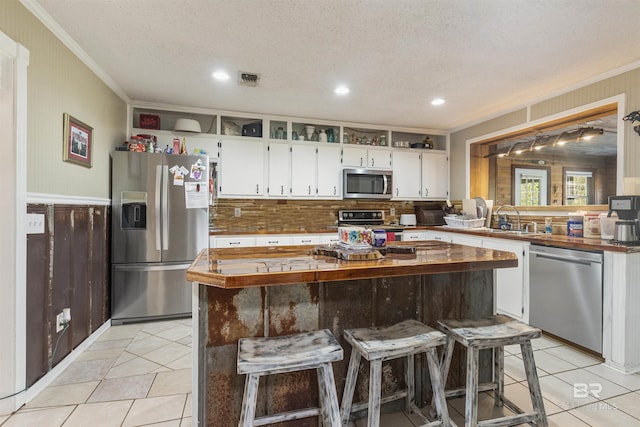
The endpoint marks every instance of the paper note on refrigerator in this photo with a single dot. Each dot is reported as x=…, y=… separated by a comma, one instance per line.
x=196, y=195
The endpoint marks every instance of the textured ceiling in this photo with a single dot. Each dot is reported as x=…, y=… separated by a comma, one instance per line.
x=483, y=56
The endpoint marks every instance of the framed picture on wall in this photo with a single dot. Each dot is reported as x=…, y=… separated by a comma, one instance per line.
x=78, y=141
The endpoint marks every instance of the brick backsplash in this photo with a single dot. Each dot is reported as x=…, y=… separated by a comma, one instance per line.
x=263, y=215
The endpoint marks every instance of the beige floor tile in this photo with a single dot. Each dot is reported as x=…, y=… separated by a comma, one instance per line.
x=172, y=382
x=512, y=349
x=186, y=422
x=561, y=394
x=171, y=423
x=147, y=345
x=629, y=403
x=573, y=356
x=565, y=419
x=132, y=387
x=188, y=406
x=177, y=332
x=186, y=341
x=50, y=417
x=514, y=367
x=124, y=357
x=120, y=332
x=136, y=366
x=168, y=353
x=155, y=410
x=544, y=342
x=155, y=328
x=111, y=353
x=105, y=414
x=83, y=371
x=105, y=345
x=486, y=408
x=602, y=414
x=519, y=394
x=631, y=382
x=183, y=362
x=3, y=418
x=141, y=335
x=551, y=364
x=601, y=388
x=69, y=394
x=397, y=419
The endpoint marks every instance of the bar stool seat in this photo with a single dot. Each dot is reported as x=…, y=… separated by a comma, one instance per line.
x=494, y=333
x=275, y=355
x=404, y=339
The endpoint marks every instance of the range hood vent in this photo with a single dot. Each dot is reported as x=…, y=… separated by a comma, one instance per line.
x=248, y=79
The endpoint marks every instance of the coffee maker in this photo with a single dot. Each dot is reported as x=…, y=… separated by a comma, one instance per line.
x=628, y=210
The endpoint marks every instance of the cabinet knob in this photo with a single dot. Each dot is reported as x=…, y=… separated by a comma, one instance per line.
x=257, y=188
x=373, y=163
x=282, y=189
x=334, y=190
x=309, y=190
x=361, y=161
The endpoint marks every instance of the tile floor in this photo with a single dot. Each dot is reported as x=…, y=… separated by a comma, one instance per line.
x=140, y=375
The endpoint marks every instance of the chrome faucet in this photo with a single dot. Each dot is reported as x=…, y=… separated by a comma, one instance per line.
x=512, y=207
x=534, y=227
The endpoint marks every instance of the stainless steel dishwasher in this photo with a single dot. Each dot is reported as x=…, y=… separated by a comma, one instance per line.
x=566, y=294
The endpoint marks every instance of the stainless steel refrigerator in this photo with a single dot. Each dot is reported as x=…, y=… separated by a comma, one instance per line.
x=160, y=222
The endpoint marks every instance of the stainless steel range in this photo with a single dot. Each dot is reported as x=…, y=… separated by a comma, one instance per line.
x=370, y=218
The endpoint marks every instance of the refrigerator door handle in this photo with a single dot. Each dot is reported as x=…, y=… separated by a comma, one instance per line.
x=157, y=202
x=165, y=207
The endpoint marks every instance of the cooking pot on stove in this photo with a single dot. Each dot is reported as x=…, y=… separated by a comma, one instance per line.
x=626, y=231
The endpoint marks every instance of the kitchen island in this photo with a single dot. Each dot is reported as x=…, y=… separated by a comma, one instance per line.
x=272, y=291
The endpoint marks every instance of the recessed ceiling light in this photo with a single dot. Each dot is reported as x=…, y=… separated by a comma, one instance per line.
x=341, y=90
x=437, y=101
x=220, y=75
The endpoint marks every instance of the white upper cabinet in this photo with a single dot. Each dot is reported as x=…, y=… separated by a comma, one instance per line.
x=279, y=170
x=360, y=157
x=406, y=175
x=303, y=171
x=435, y=175
x=241, y=168
x=329, y=172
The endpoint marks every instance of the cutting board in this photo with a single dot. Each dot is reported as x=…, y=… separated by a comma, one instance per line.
x=469, y=207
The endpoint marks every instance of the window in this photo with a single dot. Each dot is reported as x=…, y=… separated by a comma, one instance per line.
x=530, y=187
x=578, y=187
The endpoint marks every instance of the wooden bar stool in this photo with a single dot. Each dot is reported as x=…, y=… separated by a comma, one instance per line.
x=275, y=355
x=404, y=339
x=494, y=332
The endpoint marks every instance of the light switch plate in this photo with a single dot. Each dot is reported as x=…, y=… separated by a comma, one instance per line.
x=35, y=223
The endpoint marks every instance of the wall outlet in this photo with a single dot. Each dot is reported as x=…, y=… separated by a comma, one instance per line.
x=35, y=223
x=237, y=212
x=60, y=322
x=392, y=211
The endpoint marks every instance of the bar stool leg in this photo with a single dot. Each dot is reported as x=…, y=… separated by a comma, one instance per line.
x=328, y=396
x=409, y=378
x=375, y=386
x=498, y=375
x=471, y=401
x=534, y=384
x=349, y=386
x=437, y=387
x=248, y=412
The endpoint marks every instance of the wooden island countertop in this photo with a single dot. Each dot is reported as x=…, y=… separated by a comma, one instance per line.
x=281, y=265
x=237, y=294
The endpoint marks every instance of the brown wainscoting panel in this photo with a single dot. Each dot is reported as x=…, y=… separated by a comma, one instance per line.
x=68, y=266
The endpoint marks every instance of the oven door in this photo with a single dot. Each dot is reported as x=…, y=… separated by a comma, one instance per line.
x=366, y=184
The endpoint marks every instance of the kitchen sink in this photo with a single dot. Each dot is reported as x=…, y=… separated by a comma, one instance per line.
x=516, y=232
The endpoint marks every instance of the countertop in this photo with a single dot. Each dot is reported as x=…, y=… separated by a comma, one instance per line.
x=557, y=240
x=281, y=265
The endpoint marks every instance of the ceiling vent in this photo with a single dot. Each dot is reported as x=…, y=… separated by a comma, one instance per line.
x=248, y=79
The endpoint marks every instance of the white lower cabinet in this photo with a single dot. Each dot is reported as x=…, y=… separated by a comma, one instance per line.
x=273, y=240
x=511, y=284
x=233, y=242
x=326, y=239
x=409, y=236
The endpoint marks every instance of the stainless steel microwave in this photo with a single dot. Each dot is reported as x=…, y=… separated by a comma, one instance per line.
x=366, y=184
